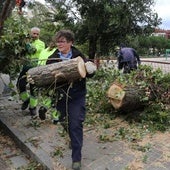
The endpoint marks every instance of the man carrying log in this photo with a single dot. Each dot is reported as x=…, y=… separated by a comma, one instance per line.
x=70, y=86
x=127, y=59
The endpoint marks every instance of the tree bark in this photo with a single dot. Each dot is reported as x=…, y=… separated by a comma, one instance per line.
x=92, y=46
x=6, y=11
x=60, y=72
x=126, y=98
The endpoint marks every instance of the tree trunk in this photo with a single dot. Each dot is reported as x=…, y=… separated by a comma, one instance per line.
x=6, y=11
x=66, y=71
x=125, y=98
x=92, y=46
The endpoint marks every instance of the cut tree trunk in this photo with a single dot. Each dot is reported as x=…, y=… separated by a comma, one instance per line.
x=65, y=71
x=125, y=98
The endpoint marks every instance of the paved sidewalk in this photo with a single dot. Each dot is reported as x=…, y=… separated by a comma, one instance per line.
x=3, y=165
x=44, y=143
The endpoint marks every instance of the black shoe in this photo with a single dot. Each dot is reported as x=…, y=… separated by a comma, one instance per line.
x=25, y=105
x=33, y=113
x=42, y=113
x=76, y=165
x=55, y=121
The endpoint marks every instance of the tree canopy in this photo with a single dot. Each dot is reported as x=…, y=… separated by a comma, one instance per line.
x=103, y=23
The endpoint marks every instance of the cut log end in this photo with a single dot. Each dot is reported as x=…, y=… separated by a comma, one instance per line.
x=81, y=67
x=116, y=103
x=116, y=95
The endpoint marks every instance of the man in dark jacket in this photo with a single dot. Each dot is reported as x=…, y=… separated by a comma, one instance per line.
x=71, y=97
x=127, y=59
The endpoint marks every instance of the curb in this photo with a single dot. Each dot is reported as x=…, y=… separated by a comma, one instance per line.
x=38, y=155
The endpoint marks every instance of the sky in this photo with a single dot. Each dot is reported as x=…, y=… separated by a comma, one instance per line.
x=162, y=7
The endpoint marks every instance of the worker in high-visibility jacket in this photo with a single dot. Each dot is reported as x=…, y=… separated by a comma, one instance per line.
x=34, y=46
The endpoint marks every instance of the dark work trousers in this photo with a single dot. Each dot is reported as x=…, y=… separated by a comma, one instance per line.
x=127, y=67
x=75, y=110
x=22, y=81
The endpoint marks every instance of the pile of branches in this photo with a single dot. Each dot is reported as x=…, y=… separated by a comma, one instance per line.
x=154, y=83
x=156, y=96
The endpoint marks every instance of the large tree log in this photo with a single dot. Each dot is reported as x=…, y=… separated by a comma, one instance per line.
x=126, y=98
x=65, y=71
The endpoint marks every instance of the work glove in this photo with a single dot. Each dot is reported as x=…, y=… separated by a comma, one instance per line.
x=90, y=67
x=30, y=79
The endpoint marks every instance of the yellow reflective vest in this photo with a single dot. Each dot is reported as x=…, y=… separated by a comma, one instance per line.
x=39, y=45
x=44, y=55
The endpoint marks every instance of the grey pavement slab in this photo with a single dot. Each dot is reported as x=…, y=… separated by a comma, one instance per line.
x=3, y=165
x=43, y=142
x=19, y=161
